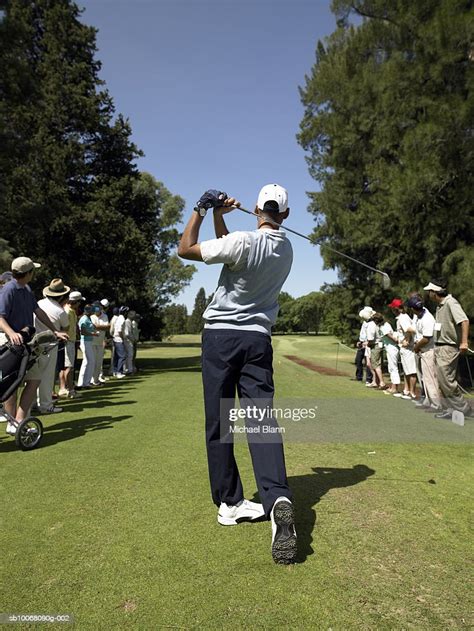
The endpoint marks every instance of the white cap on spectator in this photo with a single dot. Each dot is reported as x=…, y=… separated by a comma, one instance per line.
x=105, y=303
x=75, y=296
x=433, y=287
x=23, y=264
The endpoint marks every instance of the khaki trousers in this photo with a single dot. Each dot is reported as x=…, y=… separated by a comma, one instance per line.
x=447, y=364
x=430, y=378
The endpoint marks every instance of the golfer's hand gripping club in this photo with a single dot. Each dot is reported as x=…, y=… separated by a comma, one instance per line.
x=211, y=199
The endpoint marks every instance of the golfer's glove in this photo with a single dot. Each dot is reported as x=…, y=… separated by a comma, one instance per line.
x=211, y=199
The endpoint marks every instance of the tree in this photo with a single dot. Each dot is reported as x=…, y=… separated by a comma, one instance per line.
x=6, y=256
x=71, y=195
x=388, y=130
x=175, y=319
x=284, y=321
x=307, y=312
x=196, y=323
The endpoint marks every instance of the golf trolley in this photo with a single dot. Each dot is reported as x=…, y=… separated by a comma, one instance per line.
x=15, y=361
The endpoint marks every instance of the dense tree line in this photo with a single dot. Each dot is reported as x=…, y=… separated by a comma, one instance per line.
x=71, y=195
x=389, y=132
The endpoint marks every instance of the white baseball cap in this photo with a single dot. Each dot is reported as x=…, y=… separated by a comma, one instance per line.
x=105, y=303
x=273, y=193
x=433, y=287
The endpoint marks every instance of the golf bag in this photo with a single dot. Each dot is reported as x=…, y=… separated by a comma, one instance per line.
x=13, y=364
x=17, y=359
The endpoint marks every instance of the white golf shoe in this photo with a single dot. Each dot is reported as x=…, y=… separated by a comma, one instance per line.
x=243, y=511
x=283, y=532
x=11, y=429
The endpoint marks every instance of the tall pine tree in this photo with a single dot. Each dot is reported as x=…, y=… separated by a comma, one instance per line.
x=71, y=195
x=388, y=129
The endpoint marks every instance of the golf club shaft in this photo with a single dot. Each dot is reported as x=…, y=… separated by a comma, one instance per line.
x=275, y=223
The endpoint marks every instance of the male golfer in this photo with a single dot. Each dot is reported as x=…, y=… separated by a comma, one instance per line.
x=17, y=306
x=452, y=340
x=237, y=354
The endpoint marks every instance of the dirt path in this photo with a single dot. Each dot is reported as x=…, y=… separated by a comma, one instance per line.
x=323, y=370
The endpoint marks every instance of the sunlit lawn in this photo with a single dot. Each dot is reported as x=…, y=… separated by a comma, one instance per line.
x=111, y=519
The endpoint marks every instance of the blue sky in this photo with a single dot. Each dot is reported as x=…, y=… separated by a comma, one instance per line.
x=211, y=91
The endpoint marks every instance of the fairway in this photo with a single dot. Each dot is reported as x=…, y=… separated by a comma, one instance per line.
x=110, y=520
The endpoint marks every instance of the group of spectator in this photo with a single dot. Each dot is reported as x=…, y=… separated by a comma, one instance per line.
x=76, y=323
x=427, y=346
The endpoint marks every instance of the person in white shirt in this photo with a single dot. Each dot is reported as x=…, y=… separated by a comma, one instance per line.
x=128, y=342
x=136, y=339
x=372, y=351
x=405, y=341
x=115, y=313
x=374, y=339
x=101, y=322
x=361, y=346
x=423, y=328
x=55, y=298
x=118, y=340
x=390, y=344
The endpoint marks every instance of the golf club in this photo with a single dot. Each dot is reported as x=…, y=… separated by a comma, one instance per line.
x=385, y=277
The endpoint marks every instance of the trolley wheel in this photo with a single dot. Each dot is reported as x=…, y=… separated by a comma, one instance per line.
x=29, y=433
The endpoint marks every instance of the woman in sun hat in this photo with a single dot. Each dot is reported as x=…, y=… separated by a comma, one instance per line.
x=55, y=297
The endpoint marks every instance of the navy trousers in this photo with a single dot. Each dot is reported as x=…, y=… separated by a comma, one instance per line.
x=360, y=362
x=119, y=357
x=240, y=361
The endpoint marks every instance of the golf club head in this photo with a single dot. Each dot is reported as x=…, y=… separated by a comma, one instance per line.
x=385, y=280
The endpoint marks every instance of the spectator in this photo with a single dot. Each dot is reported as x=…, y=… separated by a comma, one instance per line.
x=452, y=334
x=360, y=357
x=374, y=339
x=5, y=278
x=105, y=307
x=371, y=335
x=101, y=323
x=390, y=343
x=113, y=319
x=66, y=378
x=55, y=297
x=128, y=342
x=119, y=347
x=136, y=339
x=405, y=341
x=88, y=332
x=423, y=325
x=17, y=307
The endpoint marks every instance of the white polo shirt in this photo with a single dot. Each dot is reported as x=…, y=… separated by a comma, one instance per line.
x=98, y=340
x=118, y=328
x=424, y=326
x=255, y=266
x=404, y=322
x=56, y=313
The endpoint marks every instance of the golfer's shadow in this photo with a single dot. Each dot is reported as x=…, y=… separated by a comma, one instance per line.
x=308, y=491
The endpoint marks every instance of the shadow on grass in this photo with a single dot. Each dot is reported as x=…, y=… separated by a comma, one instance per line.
x=96, y=404
x=170, y=364
x=147, y=345
x=68, y=430
x=308, y=491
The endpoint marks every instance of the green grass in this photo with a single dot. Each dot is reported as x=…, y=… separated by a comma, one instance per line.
x=111, y=518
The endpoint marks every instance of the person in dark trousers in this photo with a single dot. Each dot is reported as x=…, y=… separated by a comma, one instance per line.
x=237, y=356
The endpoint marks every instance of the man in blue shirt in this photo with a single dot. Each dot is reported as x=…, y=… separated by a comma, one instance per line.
x=237, y=355
x=17, y=306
